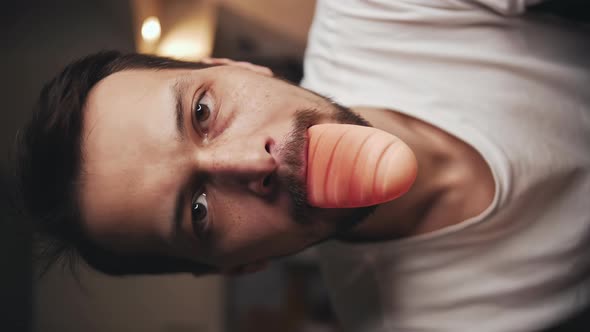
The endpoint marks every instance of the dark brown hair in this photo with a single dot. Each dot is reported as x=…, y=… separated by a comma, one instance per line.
x=49, y=161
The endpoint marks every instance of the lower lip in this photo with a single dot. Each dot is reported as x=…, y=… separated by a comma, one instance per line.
x=305, y=156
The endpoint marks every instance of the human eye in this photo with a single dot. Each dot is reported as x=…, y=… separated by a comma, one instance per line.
x=199, y=214
x=201, y=110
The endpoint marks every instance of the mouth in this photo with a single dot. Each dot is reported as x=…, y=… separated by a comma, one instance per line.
x=304, y=157
x=294, y=173
x=293, y=156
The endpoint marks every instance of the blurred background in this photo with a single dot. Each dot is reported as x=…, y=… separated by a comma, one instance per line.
x=38, y=39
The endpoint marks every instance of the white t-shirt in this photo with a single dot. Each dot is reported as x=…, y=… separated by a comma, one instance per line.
x=516, y=88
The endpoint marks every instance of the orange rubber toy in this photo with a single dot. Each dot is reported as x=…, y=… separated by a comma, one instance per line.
x=352, y=166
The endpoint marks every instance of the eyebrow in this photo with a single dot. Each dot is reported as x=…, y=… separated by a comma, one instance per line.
x=179, y=89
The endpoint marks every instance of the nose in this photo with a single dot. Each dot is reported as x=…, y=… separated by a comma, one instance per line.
x=247, y=163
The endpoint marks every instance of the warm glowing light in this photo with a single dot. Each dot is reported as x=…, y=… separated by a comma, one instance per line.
x=150, y=29
x=183, y=48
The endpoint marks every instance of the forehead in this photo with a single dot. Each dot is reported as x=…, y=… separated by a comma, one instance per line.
x=134, y=105
x=128, y=136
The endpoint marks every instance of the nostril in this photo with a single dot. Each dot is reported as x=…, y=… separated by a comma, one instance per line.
x=268, y=145
x=266, y=181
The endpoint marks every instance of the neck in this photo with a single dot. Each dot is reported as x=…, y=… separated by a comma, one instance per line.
x=434, y=151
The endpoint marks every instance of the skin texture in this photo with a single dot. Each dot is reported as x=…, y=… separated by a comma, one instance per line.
x=248, y=158
x=135, y=165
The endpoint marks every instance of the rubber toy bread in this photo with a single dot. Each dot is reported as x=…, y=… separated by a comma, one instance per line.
x=352, y=166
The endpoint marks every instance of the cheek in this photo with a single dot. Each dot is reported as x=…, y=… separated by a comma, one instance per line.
x=250, y=217
x=246, y=226
x=265, y=104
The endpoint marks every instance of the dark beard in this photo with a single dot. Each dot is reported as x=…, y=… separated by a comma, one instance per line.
x=301, y=210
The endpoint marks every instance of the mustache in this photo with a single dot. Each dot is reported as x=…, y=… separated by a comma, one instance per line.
x=305, y=118
x=296, y=142
x=293, y=156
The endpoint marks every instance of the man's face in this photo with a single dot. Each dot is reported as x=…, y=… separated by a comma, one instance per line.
x=207, y=165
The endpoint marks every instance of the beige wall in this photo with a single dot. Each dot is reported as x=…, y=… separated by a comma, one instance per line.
x=278, y=27
x=291, y=18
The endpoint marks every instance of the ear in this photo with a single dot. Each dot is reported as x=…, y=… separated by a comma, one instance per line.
x=242, y=64
x=246, y=269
